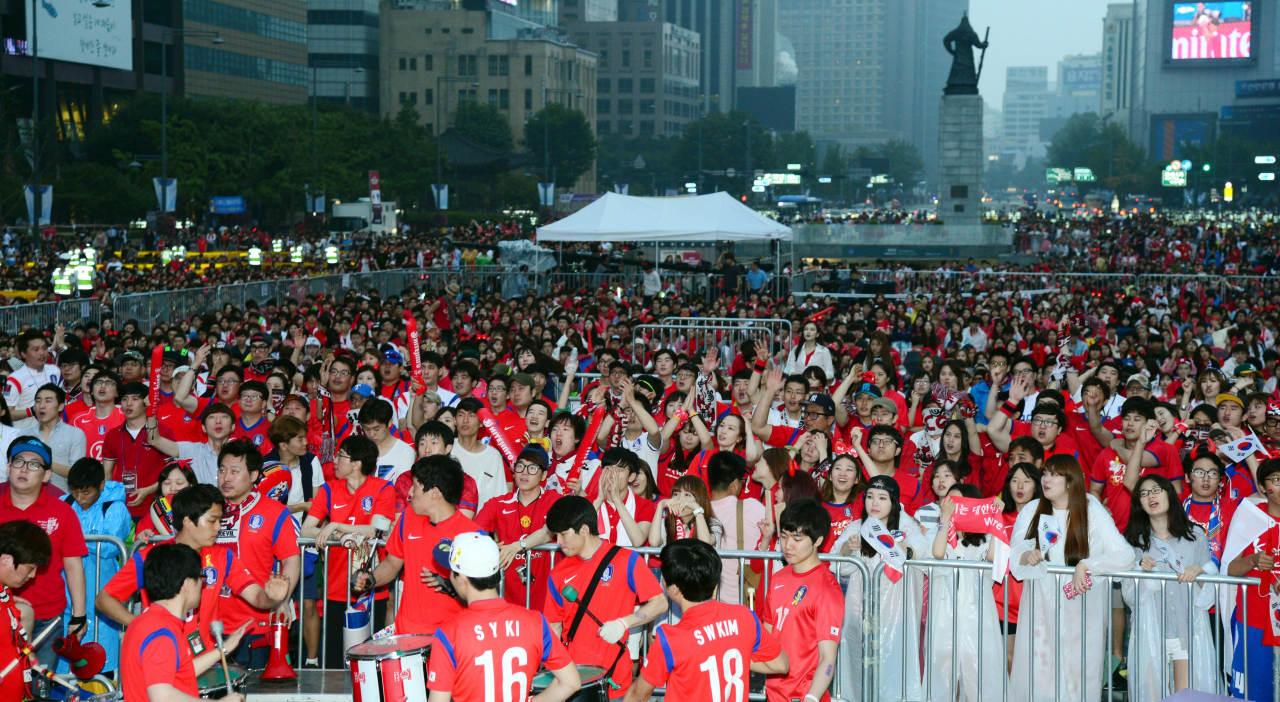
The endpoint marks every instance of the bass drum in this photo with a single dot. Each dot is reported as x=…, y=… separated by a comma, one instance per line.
x=392, y=669
x=595, y=687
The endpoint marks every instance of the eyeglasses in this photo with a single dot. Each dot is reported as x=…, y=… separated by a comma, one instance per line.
x=882, y=442
x=1025, y=371
x=28, y=466
x=340, y=373
x=258, y=347
x=1042, y=422
x=1202, y=473
x=525, y=467
x=252, y=396
x=815, y=415
x=684, y=376
x=998, y=364
x=228, y=381
x=1152, y=492
x=344, y=456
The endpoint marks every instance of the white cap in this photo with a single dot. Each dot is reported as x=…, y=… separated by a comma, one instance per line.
x=473, y=554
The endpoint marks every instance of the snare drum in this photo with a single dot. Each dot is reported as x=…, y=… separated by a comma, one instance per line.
x=113, y=696
x=213, y=684
x=595, y=687
x=393, y=669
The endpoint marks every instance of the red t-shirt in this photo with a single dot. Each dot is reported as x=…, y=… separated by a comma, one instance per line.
x=510, y=519
x=12, y=688
x=185, y=426
x=667, y=474
x=414, y=540
x=268, y=535
x=609, y=528
x=708, y=652
x=75, y=408
x=155, y=651
x=470, y=494
x=256, y=433
x=95, y=430
x=1011, y=585
x=1215, y=526
x=336, y=502
x=625, y=583
x=224, y=577
x=911, y=492
x=1109, y=469
x=1258, y=599
x=841, y=516
x=781, y=437
x=47, y=592
x=802, y=609
x=135, y=455
x=490, y=645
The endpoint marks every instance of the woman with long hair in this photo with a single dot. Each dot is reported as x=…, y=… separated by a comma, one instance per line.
x=1021, y=487
x=685, y=515
x=1160, y=532
x=839, y=493
x=886, y=381
x=810, y=352
x=899, y=597
x=1064, y=528
x=961, y=607
x=814, y=447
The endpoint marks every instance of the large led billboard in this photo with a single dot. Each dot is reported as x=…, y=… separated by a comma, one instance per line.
x=82, y=31
x=1209, y=32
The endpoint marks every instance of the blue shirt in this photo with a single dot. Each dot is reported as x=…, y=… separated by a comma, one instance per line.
x=757, y=278
x=979, y=393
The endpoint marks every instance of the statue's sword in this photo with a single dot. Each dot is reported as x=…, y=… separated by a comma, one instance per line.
x=984, y=56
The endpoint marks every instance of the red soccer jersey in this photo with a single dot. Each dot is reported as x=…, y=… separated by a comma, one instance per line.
x=510, y=519
x=75, y=408
x=135, y=457
x=257, y=433
x=267, y=535
x=95, y=430
x=781, y=437
x=708, y=654
x=492, y=645
x=337, y=503
x=414, y=540
x=224, y=577
x=802, y=609
x=1109, y=469
x=841, y=517
x=470, y=494
x=156, y=651
x=1259, y=600
x=185, y=426
x=12, y=688
x=668, y=475
x=1215, y=518
x=47, y=592
x=624, y=583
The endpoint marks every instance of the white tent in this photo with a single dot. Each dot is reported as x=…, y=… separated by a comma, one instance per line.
x=614, y=217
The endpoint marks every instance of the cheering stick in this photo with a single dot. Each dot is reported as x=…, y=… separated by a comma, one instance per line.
x=157, y=360
x=215, y=628
x=499, y=437
x=415, y=349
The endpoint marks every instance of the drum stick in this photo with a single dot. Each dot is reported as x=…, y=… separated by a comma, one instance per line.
x=215, y=628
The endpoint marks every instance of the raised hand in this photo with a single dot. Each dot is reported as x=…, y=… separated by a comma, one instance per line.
x=710, y=361
x=775, y=381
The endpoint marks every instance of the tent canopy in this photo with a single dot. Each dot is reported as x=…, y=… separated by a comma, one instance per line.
x=614, y=217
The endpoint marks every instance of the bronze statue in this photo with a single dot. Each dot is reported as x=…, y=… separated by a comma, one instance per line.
x=960, y=42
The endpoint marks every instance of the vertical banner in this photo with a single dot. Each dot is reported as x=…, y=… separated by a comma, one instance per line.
x=315, y=200
x=375, y=196
x=621, y=188
x=44, y=206
x=745, y=34
x=157, y=360
x=440, y=192
x=546, y=194
x=168, y=200
x=30, y=193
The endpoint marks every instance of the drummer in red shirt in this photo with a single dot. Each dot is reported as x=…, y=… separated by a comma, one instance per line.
x=24, y=547
x=432, y=517
x=463, y=663
x=158, y=661
x=609, y=580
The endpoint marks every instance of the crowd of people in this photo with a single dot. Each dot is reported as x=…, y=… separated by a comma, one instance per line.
x=1101, y=433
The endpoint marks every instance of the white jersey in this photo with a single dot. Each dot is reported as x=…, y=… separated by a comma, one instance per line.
x=641, y=447
x=20, y=389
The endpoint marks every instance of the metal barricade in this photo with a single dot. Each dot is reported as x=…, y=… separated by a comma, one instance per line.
x=122, y=556
x=694, y=334
x=44, y=315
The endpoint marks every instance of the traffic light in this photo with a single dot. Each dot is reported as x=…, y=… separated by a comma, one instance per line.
x=1206, y=167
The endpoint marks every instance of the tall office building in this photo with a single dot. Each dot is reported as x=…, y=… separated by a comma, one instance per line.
x=1026, y=98
x=263, y=54
x=646, y=76
x=588, y=11
x=342, y=52
x=1117, y=63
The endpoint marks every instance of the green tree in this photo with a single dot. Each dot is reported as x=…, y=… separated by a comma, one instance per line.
x=795, y=147
x=616, y=163
x=565, y=134
x=485, y=123
x=905, y=165
x=1085, y=141
x=722, y=138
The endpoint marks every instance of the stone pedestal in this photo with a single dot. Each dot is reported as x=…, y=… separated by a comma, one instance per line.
x=960, y=159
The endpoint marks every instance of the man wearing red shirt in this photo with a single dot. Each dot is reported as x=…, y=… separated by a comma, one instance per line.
x=1205, y=504
x=804, y=608
x=226, y=389
x=156, y=656
x=24, y=548
x=1047, y=424
x=103, y=416
x=349, y=501
x=330, y=412
x=1256, y=560
x=435, y=438
x=512, y=420
x=515, y=517
x=260, y=363
x=129, y=457
x=492, y=644
x=197, y=517
x=26, y=500
x=610, y=580
x=83, y=400
x=685, y=657
x=882, y=453
x=1119, y=467
x=261, y=533
x=253, y=424
x=432, y=517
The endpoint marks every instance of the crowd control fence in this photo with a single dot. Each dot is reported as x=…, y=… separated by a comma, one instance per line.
x=695, y=334
x=943, y=670
x=44, y=315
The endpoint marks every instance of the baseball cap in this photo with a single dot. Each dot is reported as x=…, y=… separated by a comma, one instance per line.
x=470, y=553
x=295, y=398
x=524, y=379
x=175, y=356
x=362, y=390
x=868, y=389
x=823, y=401
x=128, y=356
x=1246, y=368
x=392, y=356
x=886, y=403
x=34, y=445
x=1140, y=380
x=1228, y=397
x=259, y=339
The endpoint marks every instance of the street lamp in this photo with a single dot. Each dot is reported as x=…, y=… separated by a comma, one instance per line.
x=166, y=34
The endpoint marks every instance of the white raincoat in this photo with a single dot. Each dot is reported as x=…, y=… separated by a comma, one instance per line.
x=1079, y=623
x=898, y=630
x=946, y=618
x=1157, y=618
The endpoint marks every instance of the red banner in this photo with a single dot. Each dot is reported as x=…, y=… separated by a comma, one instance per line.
x=375, y=196
x=509, y=449
x=982, y=516
x=157, y=360
x=415, y=349
x=588, y=440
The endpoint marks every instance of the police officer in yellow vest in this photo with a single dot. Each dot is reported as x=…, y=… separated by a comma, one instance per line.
x=62, y=282
x=331, y=254
x=295, y=254
x=255, y=256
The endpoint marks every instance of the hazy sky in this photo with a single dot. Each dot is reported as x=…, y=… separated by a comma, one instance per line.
x=1034, y=33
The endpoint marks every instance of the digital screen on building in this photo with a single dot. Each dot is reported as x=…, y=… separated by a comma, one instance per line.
x=97, y=33
x=1211, y=31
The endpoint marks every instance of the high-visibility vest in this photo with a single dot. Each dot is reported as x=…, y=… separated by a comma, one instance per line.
x=277, y=245
x=331, y=254
x=166, y=255
x=61, y=282
x=295, y=254
x=84, y=275
x=255, y=256
x=179, y=253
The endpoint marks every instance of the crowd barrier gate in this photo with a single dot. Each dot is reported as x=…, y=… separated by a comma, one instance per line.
x=693, y=334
